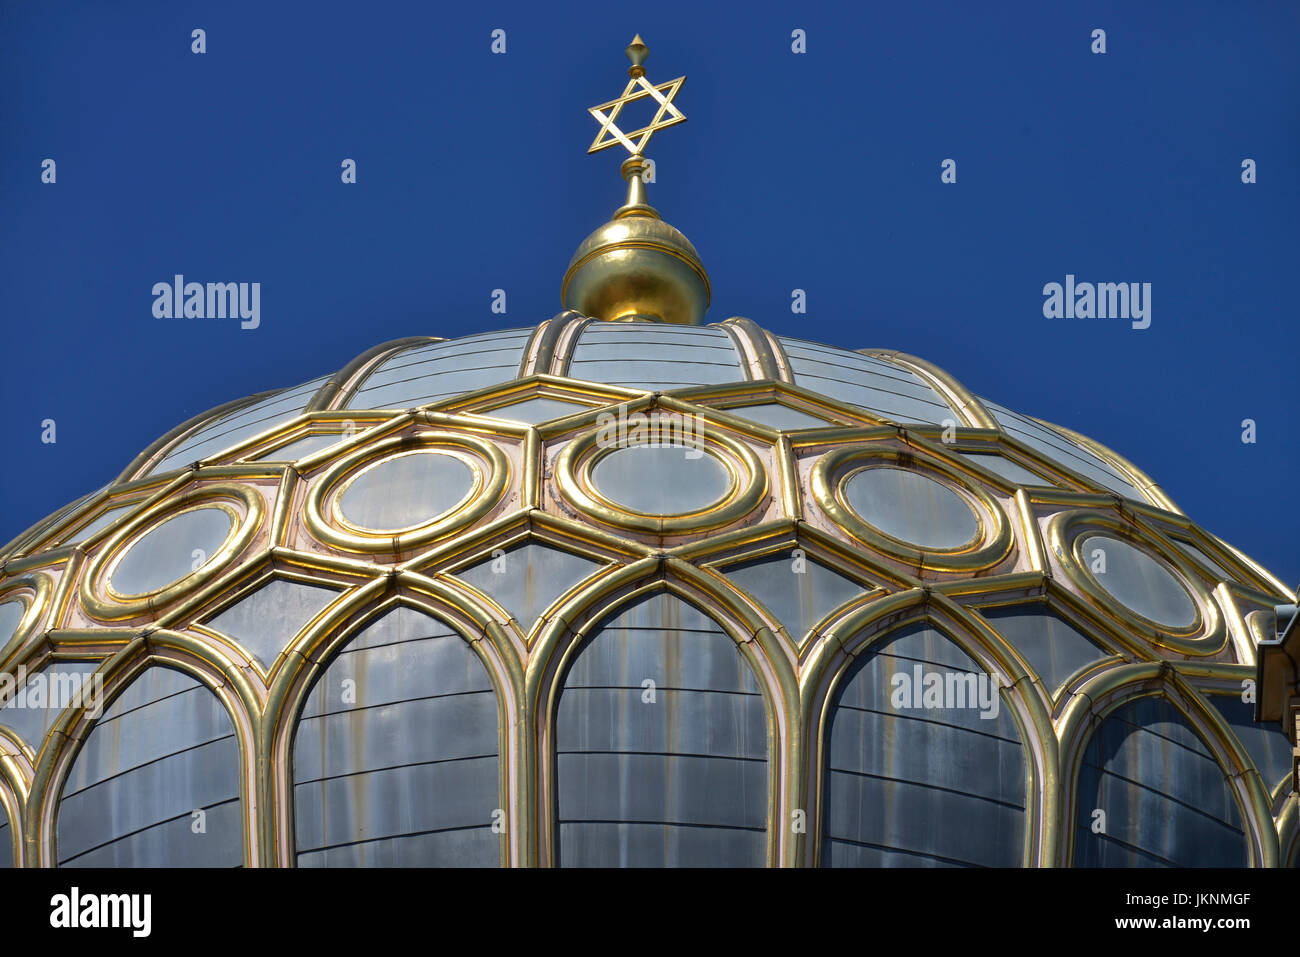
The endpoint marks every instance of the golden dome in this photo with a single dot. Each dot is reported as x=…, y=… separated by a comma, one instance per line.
x=637, y=266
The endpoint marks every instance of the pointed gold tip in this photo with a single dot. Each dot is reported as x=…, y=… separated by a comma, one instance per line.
x=637, y=52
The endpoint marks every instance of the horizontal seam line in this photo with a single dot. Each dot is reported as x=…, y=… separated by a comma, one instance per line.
x=904, y=850
x=391, y=767
x=148, y=827
x=385, y=704
x=930, y=787
x=670, y=754
x=389, y=837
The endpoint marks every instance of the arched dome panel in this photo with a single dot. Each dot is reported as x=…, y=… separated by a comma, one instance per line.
x=924, y=766
x=661, y=745
x=396, y=757
x=1151, y=794
x=156, y=783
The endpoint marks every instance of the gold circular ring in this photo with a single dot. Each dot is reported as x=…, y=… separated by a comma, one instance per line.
x=1065, y=534
x=241, y=503
x=575, y=462
x=489, y=467
x=33, y=591
x=992, y=541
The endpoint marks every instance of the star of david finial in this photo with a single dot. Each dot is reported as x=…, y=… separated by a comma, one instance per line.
x=636, y=267
x=638, y=88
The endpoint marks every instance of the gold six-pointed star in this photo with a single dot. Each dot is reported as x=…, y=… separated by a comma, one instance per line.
x=637, y=88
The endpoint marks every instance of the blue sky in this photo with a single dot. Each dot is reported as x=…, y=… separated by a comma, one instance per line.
x=818, y=171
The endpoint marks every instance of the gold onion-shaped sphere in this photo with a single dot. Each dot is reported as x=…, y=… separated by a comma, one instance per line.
x=637, y=266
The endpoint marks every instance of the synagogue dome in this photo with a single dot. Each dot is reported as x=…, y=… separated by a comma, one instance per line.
x=443, y=605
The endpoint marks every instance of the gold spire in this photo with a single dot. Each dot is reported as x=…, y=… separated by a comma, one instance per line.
x=637, y=267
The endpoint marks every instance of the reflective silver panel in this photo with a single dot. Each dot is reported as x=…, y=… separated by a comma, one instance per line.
x=921, y=786
x=536, y=409
x=303, y=447
x=395, y=760
x=1138, y=581
x=1165, y=800
x=1009, y=470
x=106, y=518
x=11, y=616
x=1053, y=647
x=654, y=356
x=672, y=773
x=798, y=590
x=526, y=579
x=162, y=751
x=1267, y=744
x=426, y=374
x=777, y=416
x=661, y=479
x=239, y=425
x=1060, y=449
x=1199, y=557
x=180, y=545
x=267, y=620
x=6, y=841
x=911, y=507
x=866, y=382
x=38, y=701
x=406, y=491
